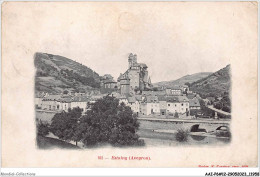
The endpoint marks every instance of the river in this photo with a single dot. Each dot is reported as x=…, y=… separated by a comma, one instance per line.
x=163, y=134
x=156, y=133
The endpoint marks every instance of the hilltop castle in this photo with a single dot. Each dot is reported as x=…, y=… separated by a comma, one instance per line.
x=135, y=79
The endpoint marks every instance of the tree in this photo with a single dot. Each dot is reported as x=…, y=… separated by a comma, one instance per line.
x=42, y=128
x=65, y=92
x=204, y=109
x=155, y=89
x=188, y=84
x=109, y=122
x=65, y=125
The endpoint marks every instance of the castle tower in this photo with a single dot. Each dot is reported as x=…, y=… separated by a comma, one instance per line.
x=130, y=60
x=124, y=85
x=135, y=59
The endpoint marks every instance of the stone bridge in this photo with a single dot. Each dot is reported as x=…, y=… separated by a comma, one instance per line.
x=174, y=124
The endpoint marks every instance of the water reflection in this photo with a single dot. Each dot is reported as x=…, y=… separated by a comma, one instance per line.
x=198, y=137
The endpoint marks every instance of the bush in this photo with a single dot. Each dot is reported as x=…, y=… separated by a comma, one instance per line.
x=155, y=89
x=217, y=106
x=226, y=109
x=42, y=128
x=194, y=112
x=182, y=135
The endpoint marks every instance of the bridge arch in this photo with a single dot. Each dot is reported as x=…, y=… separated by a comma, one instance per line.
x=223, y=127
x=195, y=128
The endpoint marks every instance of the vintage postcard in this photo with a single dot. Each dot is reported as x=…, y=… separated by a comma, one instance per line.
x=129, y=84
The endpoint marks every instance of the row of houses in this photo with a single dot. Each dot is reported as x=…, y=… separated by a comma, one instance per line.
x=155, y=102
x=150, y=102
x=65, y=102
x=162, y=105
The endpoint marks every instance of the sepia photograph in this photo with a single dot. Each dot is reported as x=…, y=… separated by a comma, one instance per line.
x=78, y=108
x=129, y=85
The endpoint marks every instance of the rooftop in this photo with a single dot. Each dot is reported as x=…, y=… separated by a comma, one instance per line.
x=194, y=103
x=151, y=99
x=131, y=99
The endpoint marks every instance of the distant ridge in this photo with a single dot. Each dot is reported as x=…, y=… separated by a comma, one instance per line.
x=181, y=81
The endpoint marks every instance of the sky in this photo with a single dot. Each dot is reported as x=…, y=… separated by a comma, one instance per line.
x=173, y=39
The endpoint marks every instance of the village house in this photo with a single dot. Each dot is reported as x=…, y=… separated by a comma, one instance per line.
x=184, y=103
x=81, y=102
x=150, y=105
x=172, y=105
x=153, y=104
x=143, y=108
x=162, y=105
x=194, y=104
x=63, y=104
x=107, y=84
x=176, y=91
x=154, y=93
x=134, y=104
x=50, y=102
x=191, y=96
x=39, y=96
x=179, y=104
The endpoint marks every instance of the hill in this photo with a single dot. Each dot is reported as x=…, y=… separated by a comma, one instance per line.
x=55, y=74
x=216, y=84
x=181, y=81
